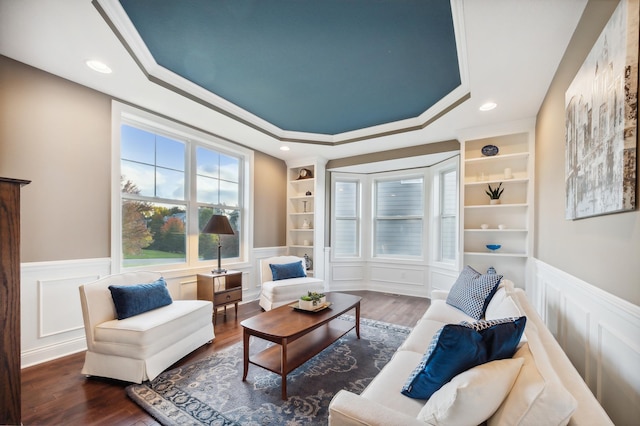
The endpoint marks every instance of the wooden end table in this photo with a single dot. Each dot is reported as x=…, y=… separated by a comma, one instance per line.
x=222, y=289
x=299, y=335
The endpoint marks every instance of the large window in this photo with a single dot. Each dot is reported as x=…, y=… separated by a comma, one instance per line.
x=398, y=217
x=170, y=185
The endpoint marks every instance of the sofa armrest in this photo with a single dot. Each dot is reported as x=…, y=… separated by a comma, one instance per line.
x=349, y=409
x=439, y=294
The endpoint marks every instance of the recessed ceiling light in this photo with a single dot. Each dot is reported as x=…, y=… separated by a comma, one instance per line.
x=488, y=106
x=99, y=66
x=284, y=148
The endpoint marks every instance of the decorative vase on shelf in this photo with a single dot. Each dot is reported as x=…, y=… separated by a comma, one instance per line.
x=494, y=201
x=308, y=263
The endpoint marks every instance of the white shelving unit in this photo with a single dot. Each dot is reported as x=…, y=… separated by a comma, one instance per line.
x=513, y=166
x=305, y=213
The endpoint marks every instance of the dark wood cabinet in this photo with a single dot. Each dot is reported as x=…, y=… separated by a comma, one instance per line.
x=10, y=388
x=221, y=289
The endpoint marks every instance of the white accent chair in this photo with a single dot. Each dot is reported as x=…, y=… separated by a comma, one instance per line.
x=140, y=347
x=281, y=292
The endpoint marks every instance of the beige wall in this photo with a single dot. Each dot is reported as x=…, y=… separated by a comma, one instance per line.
x=58, y=135
x=269, y=195
x=605, y=250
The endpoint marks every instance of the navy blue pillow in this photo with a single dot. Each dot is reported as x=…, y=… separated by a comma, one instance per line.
x=501, y=336
x=454, y=349
x=283, y=271
x=132, y=300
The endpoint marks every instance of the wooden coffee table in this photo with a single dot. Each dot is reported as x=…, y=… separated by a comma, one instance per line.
x=299, y=335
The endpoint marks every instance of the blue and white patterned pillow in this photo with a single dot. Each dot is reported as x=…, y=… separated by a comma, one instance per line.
x=472, y=291
x=484, y=324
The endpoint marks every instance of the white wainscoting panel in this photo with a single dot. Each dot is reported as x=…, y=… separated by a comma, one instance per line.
x=410, y=280
x=59, y=295
x=599, y=332
x=441, y=278
x=51, y=315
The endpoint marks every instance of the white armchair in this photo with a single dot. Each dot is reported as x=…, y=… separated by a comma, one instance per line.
x=280, y=292
x=140, y=347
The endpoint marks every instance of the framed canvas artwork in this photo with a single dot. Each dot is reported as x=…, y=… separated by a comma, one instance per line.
x=601, y=117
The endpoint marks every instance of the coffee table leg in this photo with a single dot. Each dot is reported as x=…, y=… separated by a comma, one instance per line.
x=246, y=336
x=358, y=320
x=283, y=367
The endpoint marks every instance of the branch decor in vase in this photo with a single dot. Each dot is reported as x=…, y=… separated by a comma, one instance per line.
x=494, y=193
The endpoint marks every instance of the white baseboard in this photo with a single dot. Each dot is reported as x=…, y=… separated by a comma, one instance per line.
x=599, y=332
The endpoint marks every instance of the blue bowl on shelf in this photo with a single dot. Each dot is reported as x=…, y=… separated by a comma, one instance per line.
x=493, y=247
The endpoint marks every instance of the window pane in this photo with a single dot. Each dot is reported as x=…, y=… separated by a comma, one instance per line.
x=137, y=145
x=398, y=237
x=229, y=195
x=448, y=215
x=448, y=238
x=169, y=153
x=449, y=195
x=139, y=178
x=218, y=178
x=208, y=243
x=169, y=184
x=229, y=168
x=153, y=233
x=346, y=199
x=152, y=163
x=399, y=198
x=207, y=190
x=208, y=161
x=346, y=235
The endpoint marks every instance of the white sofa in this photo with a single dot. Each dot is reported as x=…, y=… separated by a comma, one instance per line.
x=140, y=347
x=546, y=389
x=280, y=292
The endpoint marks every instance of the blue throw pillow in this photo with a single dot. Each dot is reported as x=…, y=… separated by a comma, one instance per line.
x=282, y=271
x=454, y=349
x=500, y=336
x=472, y=291
x=132, y=300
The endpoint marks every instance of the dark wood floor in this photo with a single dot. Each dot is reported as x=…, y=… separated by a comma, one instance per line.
x=55, y=393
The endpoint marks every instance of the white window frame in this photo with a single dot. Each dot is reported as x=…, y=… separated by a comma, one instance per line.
x=358, y=180
x=431, y=215
x=437, y=171
x=126, y=114
x=395, y=176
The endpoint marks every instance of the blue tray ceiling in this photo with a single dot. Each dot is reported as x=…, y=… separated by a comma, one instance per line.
x=317, y=66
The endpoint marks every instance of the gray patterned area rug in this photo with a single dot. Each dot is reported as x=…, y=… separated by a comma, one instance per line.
x=211, y=391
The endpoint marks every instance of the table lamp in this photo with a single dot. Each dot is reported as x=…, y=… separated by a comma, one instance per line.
x=218, y=224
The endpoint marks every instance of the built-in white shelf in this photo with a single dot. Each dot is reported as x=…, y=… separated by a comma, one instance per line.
x=512, y=167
